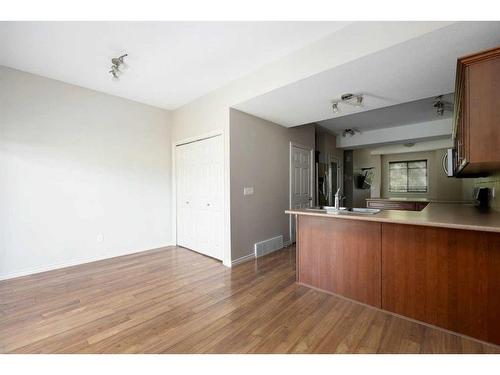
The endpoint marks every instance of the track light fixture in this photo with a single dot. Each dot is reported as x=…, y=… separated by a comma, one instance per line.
x=442, y=105
x=335, y=107
x=350, y=132
x=351, y=99
x=116, y=62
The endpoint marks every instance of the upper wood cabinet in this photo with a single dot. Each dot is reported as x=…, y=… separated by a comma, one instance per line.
x=476, y=125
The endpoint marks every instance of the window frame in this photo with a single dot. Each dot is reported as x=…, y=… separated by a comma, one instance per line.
x=408, y=176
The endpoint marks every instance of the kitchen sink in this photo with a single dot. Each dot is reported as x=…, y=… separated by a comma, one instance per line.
x=317, y=209
x=369, y=211
x=344, y=210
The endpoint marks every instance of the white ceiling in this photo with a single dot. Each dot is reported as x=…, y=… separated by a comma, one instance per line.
x=414, y=112
x=169, y=63
x=419, y=68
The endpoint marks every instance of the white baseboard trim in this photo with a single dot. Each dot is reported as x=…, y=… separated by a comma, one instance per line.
x=73, y=262
x=243, y=259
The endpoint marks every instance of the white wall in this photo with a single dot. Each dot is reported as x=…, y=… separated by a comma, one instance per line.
x=76, y=164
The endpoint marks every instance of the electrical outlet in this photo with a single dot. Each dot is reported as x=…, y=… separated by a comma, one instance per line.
x=100, y=238
x=248, y=191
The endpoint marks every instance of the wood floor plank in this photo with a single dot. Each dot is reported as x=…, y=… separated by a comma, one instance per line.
x=173, y=300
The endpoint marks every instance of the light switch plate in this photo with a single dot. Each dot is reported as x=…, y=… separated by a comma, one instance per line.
x=248, y=191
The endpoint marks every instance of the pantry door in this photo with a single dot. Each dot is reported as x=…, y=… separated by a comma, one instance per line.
x=199, y=186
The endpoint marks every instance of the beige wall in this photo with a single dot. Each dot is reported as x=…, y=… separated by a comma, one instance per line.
x=76, y=164
x=260, y=159
x=440, y=186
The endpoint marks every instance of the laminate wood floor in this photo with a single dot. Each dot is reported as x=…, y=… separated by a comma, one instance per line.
x=173, y=300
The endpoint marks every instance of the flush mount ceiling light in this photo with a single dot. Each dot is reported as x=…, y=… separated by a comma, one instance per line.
x=350, y=132
x=351, y=99
x=116, y=62
x=442, y=105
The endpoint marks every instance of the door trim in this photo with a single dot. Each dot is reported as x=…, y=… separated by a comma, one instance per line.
x=226, y=235
x=311, y=188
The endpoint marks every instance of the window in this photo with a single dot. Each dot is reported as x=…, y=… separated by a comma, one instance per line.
x=408, y=176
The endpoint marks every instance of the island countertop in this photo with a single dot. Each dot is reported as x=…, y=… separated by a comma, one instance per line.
x=444, y=215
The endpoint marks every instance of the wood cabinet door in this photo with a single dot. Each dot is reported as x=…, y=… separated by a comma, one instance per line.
x=483, y=99
x=340, y=256
x=446, y=277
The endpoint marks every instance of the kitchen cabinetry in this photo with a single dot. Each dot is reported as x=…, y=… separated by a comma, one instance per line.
x=476, y=123
x=441, y=276
x=343, y=261
x=445, y=277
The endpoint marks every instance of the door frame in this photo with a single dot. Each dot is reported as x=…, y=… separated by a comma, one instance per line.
x=226, y=235
x=290, y=179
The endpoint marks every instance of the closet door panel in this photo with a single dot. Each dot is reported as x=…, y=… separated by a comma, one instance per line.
x=199, y=182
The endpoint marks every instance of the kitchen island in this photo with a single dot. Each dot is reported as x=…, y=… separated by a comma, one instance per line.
x=440, y=265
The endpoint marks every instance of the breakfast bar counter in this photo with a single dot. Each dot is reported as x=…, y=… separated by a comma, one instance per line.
x=440, y=265
x=444, y=215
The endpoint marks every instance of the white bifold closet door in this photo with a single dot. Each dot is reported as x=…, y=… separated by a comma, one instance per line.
x=199, y=187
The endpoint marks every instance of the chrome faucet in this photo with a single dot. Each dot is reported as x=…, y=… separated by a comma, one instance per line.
x=337, y=200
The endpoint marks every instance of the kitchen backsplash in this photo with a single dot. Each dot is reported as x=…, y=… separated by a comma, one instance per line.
x=491, y=182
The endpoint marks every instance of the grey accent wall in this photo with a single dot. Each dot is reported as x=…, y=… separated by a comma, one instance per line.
x=259, y=156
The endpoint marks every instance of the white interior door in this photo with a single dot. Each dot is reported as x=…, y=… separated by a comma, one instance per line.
x=199, y=186
x=300, y=180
